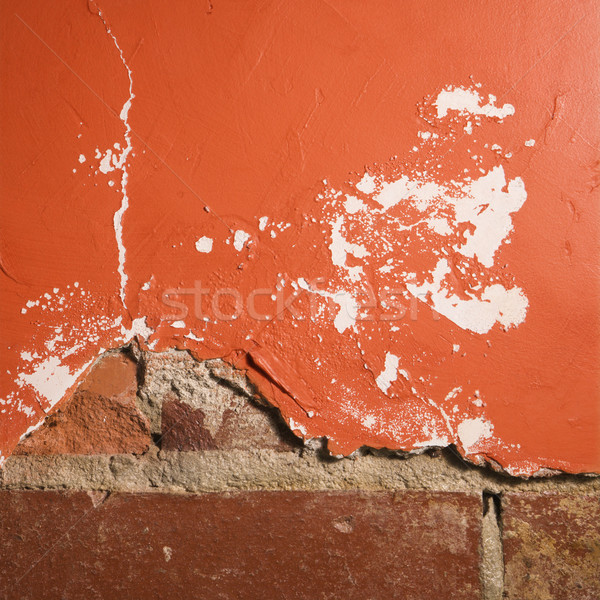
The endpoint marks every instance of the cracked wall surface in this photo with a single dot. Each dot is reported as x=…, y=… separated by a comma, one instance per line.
x=184, y=467
x=386, y=216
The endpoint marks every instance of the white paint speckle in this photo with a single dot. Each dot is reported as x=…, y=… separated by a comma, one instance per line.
x=368, y=421
x=530, y=143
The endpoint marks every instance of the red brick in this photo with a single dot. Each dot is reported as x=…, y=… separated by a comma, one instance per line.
x=183, y=428
x=242, y=425
x=256, y=545
x=100, y=418
x=551, y=546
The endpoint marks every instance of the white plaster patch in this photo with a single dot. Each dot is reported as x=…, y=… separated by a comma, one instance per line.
x=367, y=184
x=51, y=379
x=478, y=314
x=348, y=307
x=489, y=209
x=485, y=205
x=239, y=239
x=297, y=427
x=468, y=101
x=204, y=244
x=353, y=205
x=389, y=373
x=194, y=337
x=339, y=248
x=138, y=328
x=348, y=312
x=421, y=192
x=472, y=431
x=106, y=164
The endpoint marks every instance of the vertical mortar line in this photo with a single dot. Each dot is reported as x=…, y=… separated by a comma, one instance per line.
x=491, y=571
x=497, y=506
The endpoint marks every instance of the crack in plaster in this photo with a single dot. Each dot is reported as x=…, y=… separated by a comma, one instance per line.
x=121, y=164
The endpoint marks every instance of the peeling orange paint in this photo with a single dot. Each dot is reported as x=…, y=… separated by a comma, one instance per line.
x=387, y=213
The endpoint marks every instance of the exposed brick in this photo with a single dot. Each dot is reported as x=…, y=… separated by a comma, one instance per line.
x=301, y=545
x=239, y=424
x=208, y=405
x=551, y=546
x=100, y=418
x=183, y=428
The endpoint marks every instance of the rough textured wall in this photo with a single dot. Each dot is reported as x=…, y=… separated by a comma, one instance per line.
x=184, y=484
x=387, y=213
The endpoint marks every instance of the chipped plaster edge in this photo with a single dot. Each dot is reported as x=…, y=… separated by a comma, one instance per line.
x=312, y=468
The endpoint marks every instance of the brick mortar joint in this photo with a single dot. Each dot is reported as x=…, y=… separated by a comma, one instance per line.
x=236, y=470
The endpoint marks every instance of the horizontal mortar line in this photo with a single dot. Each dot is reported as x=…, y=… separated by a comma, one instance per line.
x=268, y=470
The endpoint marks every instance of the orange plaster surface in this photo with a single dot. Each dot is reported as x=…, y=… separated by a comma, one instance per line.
x=386, y=212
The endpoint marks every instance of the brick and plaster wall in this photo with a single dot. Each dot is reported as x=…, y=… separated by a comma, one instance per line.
x=299, y=299
x=165, y=477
